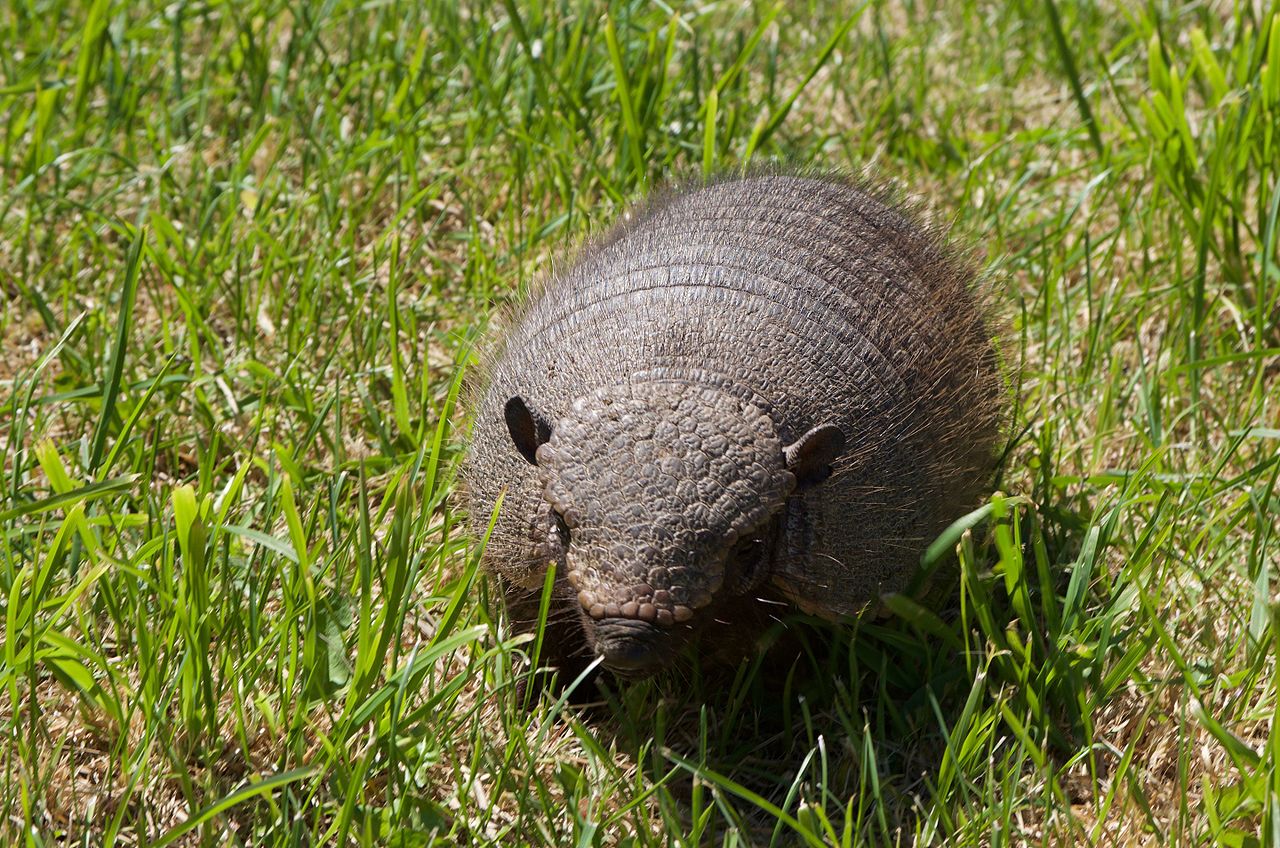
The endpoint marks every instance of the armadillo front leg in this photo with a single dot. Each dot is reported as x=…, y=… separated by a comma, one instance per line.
x=564, y=649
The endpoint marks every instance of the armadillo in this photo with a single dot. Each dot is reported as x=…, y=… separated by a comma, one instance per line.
x=758, y=392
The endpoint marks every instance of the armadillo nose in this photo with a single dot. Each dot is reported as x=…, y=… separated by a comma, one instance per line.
x=628, y=646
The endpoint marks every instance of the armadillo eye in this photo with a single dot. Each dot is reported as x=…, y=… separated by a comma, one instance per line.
x=550, y=535
x=561, y=527
x=747, y=560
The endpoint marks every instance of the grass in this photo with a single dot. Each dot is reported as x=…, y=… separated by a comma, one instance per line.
x=245, y=249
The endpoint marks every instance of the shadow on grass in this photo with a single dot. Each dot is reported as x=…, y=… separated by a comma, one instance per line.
x=883, y=728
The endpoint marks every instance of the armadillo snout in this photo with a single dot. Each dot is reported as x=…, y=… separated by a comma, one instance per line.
x=630, y=647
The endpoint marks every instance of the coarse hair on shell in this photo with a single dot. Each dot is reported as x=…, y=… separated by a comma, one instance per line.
x=911, y=361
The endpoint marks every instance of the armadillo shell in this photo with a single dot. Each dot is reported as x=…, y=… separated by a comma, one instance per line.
x=814, y=299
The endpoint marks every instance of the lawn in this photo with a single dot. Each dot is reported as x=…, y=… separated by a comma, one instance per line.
x=247, y=250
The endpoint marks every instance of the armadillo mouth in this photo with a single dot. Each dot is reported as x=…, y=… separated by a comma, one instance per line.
x=629, y=647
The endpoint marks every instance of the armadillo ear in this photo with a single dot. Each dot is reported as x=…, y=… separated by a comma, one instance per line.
x=528, y=429
x=809, y=458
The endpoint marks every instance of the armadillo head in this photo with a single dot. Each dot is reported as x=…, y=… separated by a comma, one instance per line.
x=664, y=498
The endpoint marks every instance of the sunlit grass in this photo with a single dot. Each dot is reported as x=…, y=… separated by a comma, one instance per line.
x=246, y=250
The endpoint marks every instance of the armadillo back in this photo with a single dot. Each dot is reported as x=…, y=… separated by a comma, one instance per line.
x=811, y=298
